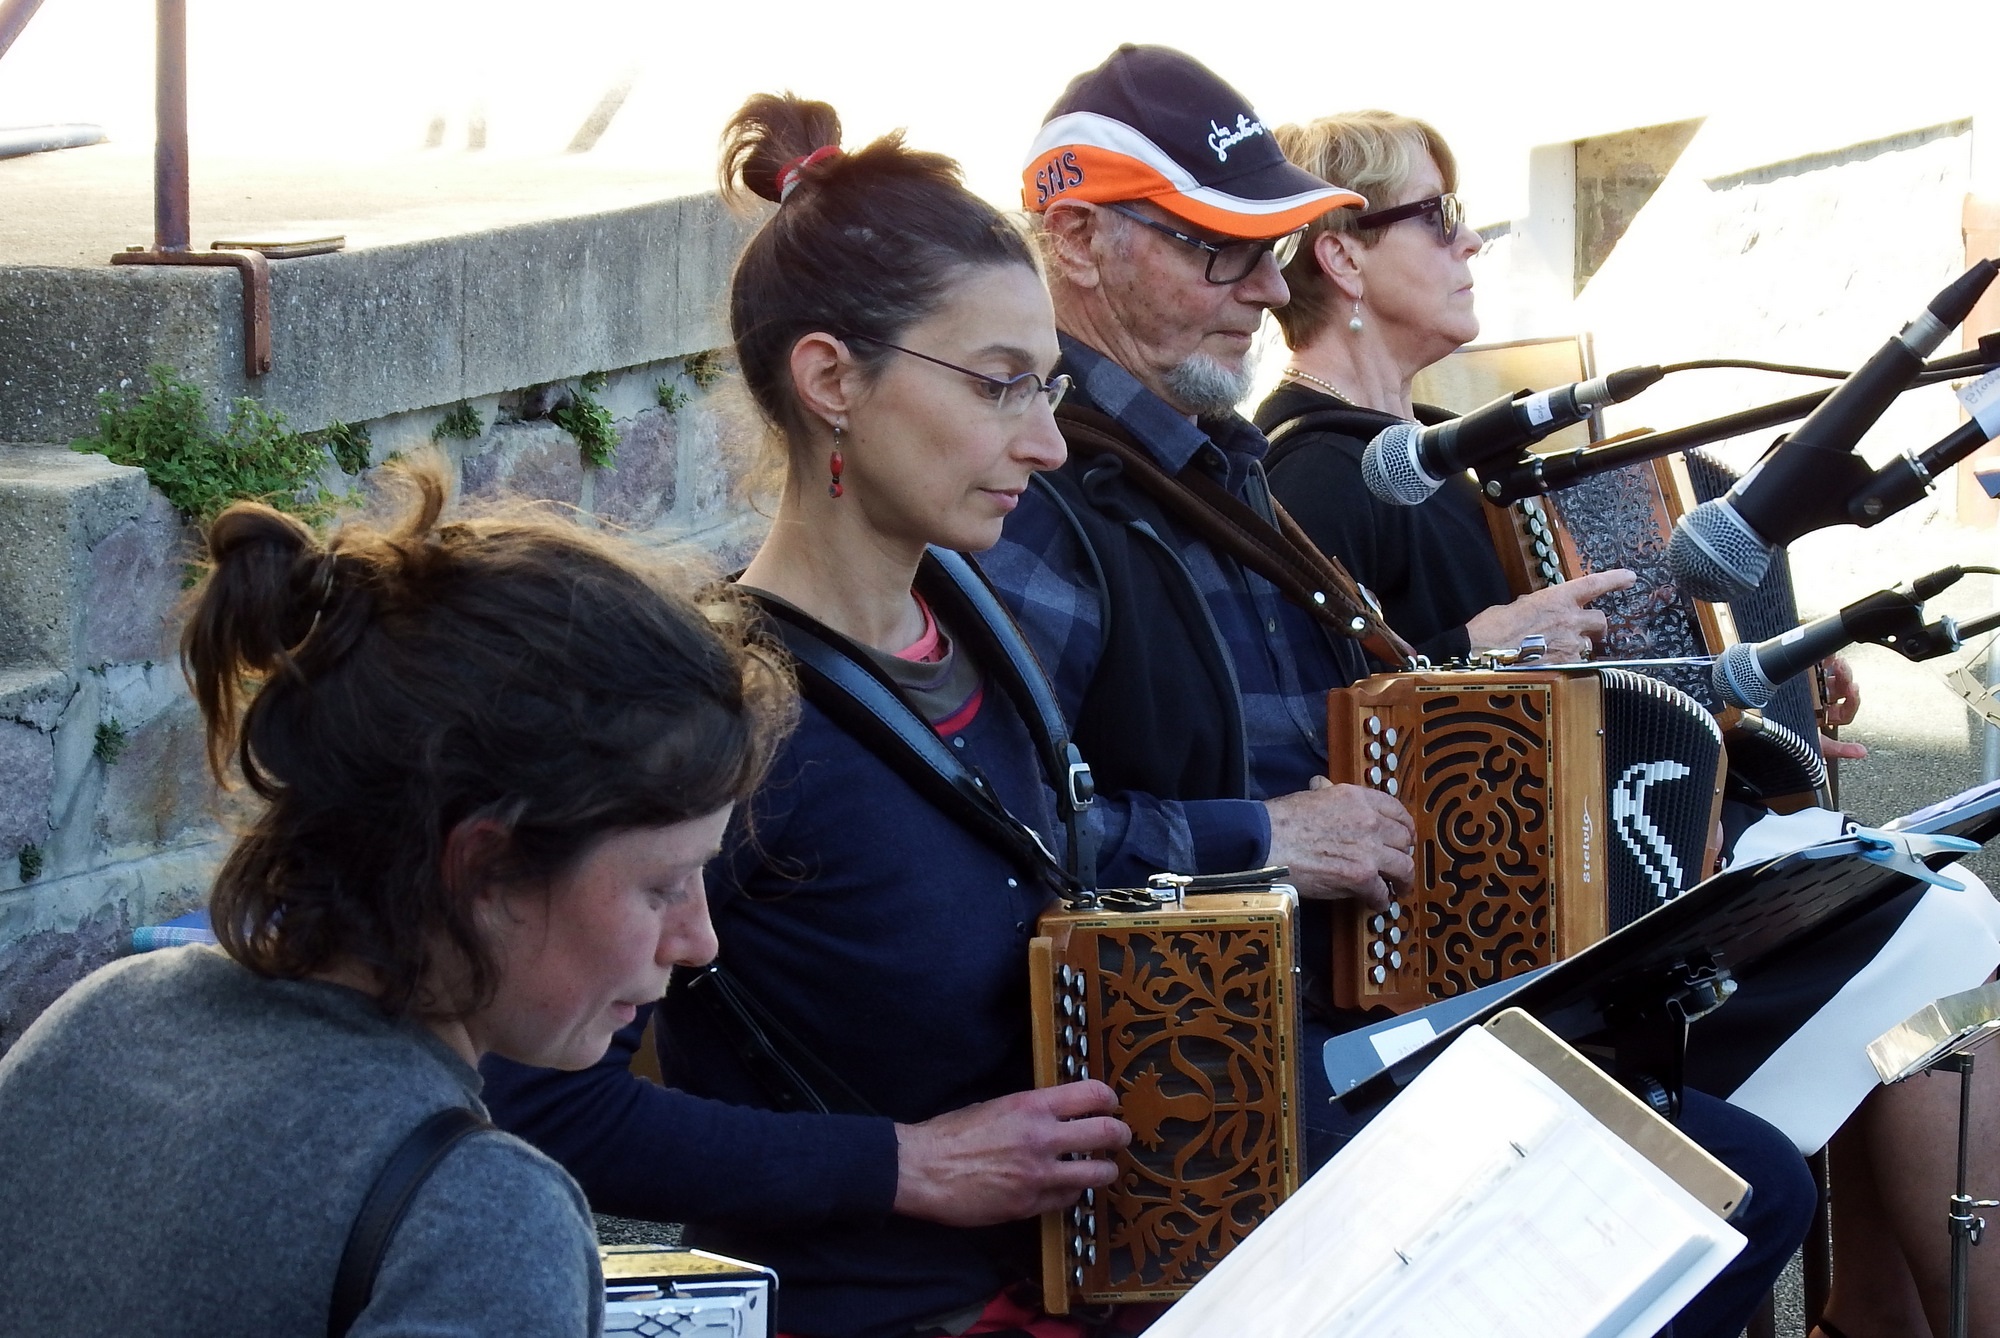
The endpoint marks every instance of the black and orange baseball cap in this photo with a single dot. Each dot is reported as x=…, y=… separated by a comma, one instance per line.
x=1152, y=123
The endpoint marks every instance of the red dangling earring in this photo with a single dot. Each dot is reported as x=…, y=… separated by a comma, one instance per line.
x=834, y=465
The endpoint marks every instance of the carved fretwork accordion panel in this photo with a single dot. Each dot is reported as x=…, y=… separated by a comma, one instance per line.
x=1504, y=775
x=1189, y=1014
x=1551, y=807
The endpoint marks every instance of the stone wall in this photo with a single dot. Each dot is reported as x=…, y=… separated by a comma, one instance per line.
x=108, y=818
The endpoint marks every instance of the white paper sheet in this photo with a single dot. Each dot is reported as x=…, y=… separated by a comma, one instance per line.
x=1482, y=1201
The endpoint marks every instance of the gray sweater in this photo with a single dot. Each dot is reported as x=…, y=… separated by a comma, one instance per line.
x=183, y=1146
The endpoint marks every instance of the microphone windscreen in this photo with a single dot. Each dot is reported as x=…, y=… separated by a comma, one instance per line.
x=1739, y=678
x=1391, y=469
x=1715, y=555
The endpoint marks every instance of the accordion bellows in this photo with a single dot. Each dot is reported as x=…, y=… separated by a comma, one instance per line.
x=1189, y=1013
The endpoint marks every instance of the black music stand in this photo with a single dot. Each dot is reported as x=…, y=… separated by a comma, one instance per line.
x=1634, y=993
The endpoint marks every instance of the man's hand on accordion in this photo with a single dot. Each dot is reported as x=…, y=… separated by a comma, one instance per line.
x=1008, y=1158
x=1562, y=613
x=1343, y=841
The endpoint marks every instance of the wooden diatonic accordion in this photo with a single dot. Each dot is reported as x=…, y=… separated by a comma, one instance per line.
x=1552, y=806
x=1625, y=518
x=1188, y=1010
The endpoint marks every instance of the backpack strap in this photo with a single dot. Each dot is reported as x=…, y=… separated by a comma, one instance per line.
x=382, y=1211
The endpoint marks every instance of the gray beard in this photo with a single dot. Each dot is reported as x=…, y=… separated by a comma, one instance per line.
x=1203, y=386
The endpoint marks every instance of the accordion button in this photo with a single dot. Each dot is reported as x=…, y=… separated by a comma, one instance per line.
x=1374, y=724
x=1378, y=948
x=1392, y=787
x=1066, y=973
x=1395, y=910
x=1083, y=1044
x=1377, y=974
x=1090, y=1252
x=1378, y=924
x=1069, y=1035
x=1395, y=961
x=1395, y=935
x=1392, y=760
x=1374, y=775
x=1068, y=1006
x=1391, y=737
x=1076, y=1276
x=1090, y=1229
x=1374, y=749
x=1090, y=1197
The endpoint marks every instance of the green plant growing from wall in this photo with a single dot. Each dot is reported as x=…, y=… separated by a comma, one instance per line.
x=589, y=422
x=704, y=368
x=672, y=398
x=462, y=423
x=111, y=743
x=30, y=857
x=350, y=443
x=164, y=431
x=594, y=382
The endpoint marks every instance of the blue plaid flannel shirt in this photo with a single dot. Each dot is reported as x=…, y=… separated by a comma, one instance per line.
x=1284, y=662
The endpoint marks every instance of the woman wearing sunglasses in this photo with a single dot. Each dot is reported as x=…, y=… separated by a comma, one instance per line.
x=1377, y=296
x=1380, y=295
x=850, y=1097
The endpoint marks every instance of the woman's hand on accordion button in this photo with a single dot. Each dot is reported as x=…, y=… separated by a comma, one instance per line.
x=1562, y=613
x=1343, y=841
x=1008, y=1158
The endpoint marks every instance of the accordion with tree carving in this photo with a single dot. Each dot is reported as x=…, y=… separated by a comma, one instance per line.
x=1189, y=1012
x=1551, y=806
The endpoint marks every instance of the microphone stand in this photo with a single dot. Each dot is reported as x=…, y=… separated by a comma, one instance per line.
x=1505, y=482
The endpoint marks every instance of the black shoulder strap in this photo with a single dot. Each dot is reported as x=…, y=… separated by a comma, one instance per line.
x=836, y=676
x=976, y=616
x=1345, y=419
x=382, y=1211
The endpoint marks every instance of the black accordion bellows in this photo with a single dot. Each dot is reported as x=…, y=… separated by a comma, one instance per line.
x=1661, y=750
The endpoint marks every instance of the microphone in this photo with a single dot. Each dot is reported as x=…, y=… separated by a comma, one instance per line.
x=1406, y=463
x=1722, y=548
x=1749, y=675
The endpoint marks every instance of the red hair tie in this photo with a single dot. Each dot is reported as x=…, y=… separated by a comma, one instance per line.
x=788, y=175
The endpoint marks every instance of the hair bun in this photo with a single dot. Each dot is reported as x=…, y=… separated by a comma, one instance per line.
x=771, y=134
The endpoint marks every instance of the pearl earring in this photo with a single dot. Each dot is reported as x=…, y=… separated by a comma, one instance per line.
x=1354, y=321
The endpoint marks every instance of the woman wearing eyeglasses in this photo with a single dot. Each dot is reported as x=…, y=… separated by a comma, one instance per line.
x=850, y=1098
x=1377, y=296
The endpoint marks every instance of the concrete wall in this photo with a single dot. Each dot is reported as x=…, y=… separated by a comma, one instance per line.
x=108, y=819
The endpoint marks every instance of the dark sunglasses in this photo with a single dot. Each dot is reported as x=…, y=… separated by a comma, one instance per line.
x=1009, y=394
x=1445, y=213
x=1228, y=262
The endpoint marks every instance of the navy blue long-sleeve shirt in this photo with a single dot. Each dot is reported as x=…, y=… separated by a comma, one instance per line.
x=893, y=944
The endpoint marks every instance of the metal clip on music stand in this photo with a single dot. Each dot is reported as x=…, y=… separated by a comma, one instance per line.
x=1942, y=1035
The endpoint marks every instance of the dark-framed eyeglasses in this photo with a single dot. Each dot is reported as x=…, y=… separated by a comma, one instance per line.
x=1445, y=214
x=1228, y=262
x=1009, y=394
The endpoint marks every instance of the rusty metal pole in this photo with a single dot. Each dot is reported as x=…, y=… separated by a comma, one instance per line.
x=14, y=16
x=170, y=145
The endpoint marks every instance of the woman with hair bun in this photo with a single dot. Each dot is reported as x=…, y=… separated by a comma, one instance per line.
x=850, y=1093
x=493, y=757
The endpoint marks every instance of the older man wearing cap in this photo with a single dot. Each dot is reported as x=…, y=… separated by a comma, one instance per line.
x=1197, y=689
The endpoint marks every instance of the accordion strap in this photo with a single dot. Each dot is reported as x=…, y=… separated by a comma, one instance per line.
x=1276, y=549
x=836, y=675
x=382, y=1211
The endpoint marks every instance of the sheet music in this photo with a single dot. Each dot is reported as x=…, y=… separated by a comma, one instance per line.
x=1482, y=1201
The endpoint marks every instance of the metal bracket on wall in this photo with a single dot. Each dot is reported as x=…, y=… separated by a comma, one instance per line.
x=256, y=272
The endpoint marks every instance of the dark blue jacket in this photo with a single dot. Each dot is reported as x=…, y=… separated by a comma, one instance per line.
x=892, y=942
